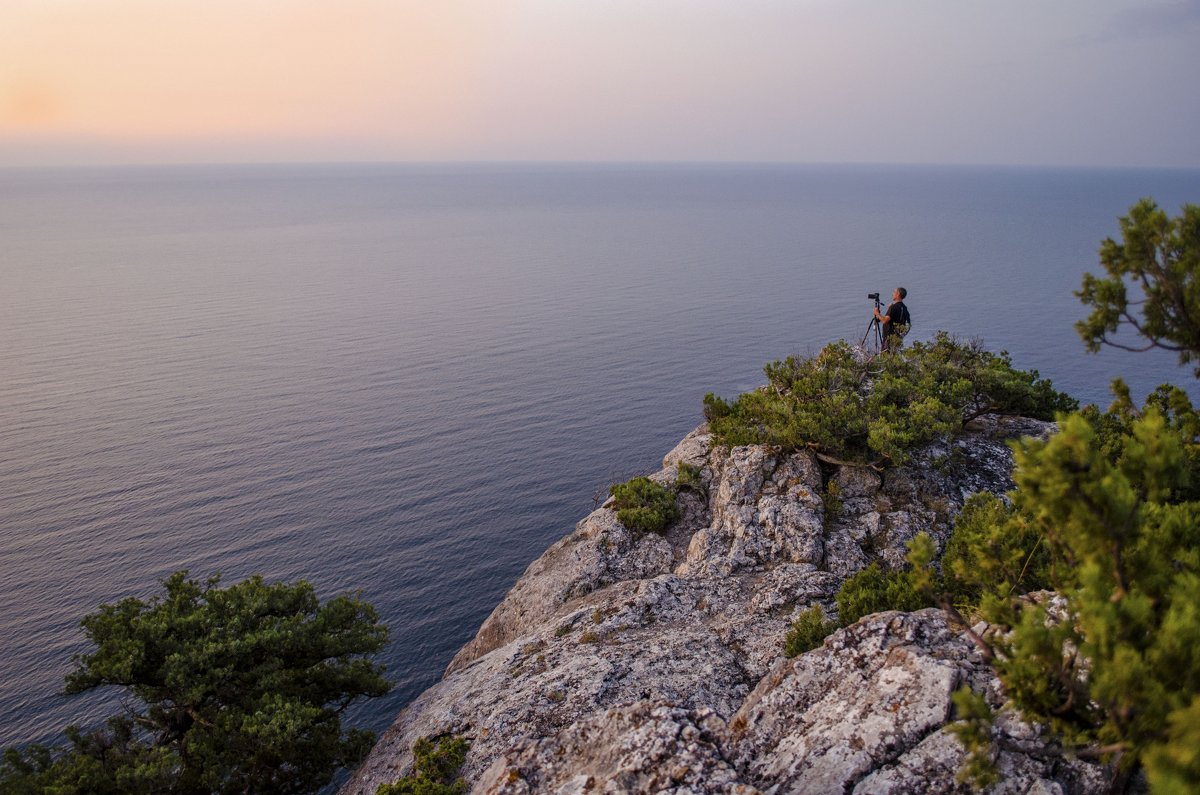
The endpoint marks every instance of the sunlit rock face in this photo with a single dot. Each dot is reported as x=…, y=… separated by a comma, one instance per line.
x=654, y=663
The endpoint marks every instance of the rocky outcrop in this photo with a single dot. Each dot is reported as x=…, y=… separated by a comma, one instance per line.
x=620, y=663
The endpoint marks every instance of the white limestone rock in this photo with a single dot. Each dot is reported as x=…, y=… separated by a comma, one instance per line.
x=642, y=747
x=601, y=551
x=821, y=722
x=620, y=663
x=764, y=509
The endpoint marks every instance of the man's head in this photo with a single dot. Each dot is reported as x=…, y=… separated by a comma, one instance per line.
x=899, y=294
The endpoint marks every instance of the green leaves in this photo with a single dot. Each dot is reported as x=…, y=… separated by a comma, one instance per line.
x=883, y=408
x=1172, y=766
x=973, y=728
x=992, y=549
x=240, y=690
x=644, y=506
x=1101, y=515
x=435, y=769
x=874, y=590
x=1158, y=261
x=807, y=632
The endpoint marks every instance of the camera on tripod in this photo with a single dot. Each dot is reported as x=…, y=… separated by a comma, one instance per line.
x=874, y=335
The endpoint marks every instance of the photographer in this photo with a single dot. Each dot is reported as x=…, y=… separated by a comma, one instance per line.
x=895, y=321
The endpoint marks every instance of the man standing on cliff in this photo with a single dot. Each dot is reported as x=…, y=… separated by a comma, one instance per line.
x=895, y=321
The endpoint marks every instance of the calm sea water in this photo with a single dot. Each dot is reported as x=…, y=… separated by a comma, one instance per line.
x=408, y=381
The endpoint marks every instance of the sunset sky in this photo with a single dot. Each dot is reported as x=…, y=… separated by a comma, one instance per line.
x=1053, y=82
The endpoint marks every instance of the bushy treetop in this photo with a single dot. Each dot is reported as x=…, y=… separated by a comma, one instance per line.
x=1103, y=523
x=236, y=689
x=1151, y=284
x=643, y=505
x=852, y=408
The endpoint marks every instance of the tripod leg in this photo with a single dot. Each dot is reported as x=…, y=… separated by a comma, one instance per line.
x=872, y=344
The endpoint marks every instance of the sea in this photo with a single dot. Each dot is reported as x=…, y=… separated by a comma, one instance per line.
x=406, y=381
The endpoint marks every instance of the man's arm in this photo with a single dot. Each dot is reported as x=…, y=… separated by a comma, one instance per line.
x=886, y=318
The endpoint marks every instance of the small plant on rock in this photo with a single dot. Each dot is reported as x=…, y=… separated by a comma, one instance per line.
x=688, y=477
x=833, y=498
x=435, y=769
x=643, y=505
x=874, y=589
x=808, y=632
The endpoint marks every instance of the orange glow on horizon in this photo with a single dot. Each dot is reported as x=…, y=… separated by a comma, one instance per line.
x=146, y=69
x=111, y=81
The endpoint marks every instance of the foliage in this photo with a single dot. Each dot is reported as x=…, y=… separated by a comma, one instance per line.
x=105, y=762
x=688, y=476
x=993, y=550
x=874, y=589
x=1103, y=514
x=1158, y=259
x=644, y=506
x=861, y=410
x=1113, y=426
x=807, y=632
x=1107, y=514
x=435, y=769
x=973, y=728
x=235, y=689
x=1127, y=556
x=833, y=498
x=1172, y=765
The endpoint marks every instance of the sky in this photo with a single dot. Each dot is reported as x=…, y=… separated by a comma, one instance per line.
x=1019, y=82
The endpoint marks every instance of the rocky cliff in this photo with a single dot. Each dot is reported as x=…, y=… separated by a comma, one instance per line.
x=655, y=664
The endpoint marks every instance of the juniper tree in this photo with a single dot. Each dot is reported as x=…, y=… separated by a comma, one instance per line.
x=1107, y=514
x=1151, y=284
x=227, y=689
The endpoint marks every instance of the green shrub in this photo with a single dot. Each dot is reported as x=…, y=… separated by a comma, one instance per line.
x=1113, y=427
x=874, y=589
x=973, y=728
x=644, y=506
x=1105, y=514
x=1117, y=497
x=224, y=689
x=715, y=408
x=688, y=477
x=1125, y=552
x=992, y=549
x=833, y=498
x=435, y=769
x=1150, y=284
x=868, y=410
x=807, y=632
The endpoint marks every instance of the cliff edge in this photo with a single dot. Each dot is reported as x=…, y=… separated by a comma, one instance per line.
x=620, y=663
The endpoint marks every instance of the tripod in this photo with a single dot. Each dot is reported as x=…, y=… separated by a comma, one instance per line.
x=872, y=341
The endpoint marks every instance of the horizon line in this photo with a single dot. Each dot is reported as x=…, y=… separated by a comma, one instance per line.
x=580, y=163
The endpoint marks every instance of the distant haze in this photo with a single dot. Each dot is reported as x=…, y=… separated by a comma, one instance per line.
x=1048, y=82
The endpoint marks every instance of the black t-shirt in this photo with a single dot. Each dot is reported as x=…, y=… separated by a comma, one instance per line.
x=898, y=316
